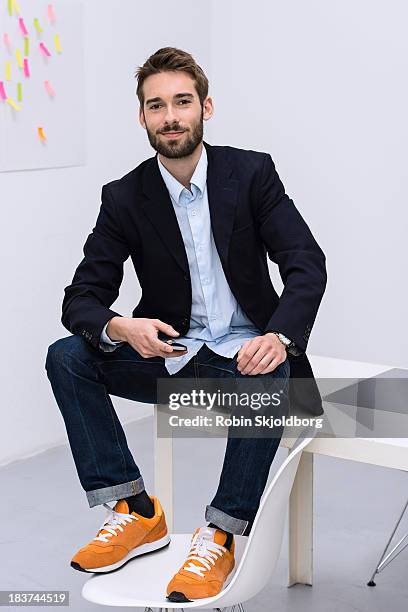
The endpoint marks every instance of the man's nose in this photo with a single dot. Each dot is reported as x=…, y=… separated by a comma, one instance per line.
x=171, y=115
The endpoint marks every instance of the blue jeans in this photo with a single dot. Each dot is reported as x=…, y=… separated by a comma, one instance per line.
x=82, y=380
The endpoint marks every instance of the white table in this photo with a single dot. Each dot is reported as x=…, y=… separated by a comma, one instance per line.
x=386, y=452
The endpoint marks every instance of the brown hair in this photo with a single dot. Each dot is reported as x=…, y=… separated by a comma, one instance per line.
x=167, y=59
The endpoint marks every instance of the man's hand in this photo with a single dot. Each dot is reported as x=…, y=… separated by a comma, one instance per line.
x=142, y=334
x=261, y=355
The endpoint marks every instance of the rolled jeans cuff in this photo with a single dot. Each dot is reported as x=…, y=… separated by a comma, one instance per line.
x=120, y=491
x=225, y=521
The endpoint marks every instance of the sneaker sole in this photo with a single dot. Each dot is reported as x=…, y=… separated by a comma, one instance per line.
x=179, y=597
x=144, y=549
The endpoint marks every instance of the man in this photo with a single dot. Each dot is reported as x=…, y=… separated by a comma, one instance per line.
x=198, y=222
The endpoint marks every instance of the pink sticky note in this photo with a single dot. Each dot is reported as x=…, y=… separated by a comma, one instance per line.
x=3, y=94
x=49, y=88
x=26, y=68
x=23, y=29
x=6, y=39
x=44, y=49
x=51, y=14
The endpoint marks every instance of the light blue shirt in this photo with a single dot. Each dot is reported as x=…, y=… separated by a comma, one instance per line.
x=216, y=317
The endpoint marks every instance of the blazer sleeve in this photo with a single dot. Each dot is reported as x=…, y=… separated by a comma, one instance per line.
x=302, y=264
x=97, y=279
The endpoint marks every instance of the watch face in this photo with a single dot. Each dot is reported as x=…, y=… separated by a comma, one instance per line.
x=284, y=340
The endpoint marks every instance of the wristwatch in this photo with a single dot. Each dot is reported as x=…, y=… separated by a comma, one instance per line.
x=288, y=344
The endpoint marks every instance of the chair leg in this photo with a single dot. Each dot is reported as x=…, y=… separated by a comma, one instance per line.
x=149, y=609
x=382, y=563
x=163, y=470
x=239, y=606
x=301, y=524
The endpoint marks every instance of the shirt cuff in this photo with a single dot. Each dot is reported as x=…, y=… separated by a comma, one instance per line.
x=106, y=344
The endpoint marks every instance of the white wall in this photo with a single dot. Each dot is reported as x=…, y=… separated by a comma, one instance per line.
x=48, y=214
x=321, y=86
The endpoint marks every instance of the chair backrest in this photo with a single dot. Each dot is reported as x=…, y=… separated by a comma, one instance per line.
x=262, y=550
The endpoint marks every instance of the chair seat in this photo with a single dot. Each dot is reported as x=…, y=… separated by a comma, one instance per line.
x=142, y=582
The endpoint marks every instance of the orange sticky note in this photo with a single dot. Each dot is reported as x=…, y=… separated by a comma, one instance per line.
x=41, y=134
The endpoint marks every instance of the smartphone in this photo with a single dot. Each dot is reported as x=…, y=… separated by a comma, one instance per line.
x=176, y=346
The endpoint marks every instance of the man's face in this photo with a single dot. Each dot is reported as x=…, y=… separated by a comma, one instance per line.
x=172, y=114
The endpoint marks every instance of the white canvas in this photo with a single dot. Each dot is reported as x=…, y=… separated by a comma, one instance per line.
x=61, y=117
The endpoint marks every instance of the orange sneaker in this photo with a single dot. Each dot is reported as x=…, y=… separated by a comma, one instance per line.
x=206, y=569
x=122, y=537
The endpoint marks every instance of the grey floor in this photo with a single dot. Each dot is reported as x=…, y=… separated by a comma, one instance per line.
x=45, y=518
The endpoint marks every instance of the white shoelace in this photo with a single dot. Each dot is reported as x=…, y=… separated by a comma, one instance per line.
x=204, y=551
x=113, y=521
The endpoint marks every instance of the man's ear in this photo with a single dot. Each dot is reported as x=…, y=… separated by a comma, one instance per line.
x=208, y=108
x=142, y=118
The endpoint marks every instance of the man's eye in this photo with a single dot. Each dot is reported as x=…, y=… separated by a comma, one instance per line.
x=182, y=102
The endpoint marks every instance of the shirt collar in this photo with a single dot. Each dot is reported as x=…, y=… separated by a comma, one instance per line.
x=198, y=179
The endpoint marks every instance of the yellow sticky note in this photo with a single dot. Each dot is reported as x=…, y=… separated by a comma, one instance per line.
x=13, y=104
x=19, y=92
x=16, y=7
x=19, y=58
x=8, y=71
x=10, y=7
x=37, y=25
x=26, y=46
x=57, y=42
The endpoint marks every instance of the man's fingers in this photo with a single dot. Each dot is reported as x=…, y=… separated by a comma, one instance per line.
x=242, y=350
x=260, y=366
x=256, y=358
x=248, y=352
x=161, y=347
x=272, y=366
x=165, y=327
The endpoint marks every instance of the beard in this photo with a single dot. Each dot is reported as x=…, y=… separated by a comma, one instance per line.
x=180, y=147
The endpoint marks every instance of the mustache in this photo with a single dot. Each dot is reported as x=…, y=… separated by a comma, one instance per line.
x=172, y=129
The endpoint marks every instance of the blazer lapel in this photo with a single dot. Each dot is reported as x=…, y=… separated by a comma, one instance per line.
x=158, y=207
x=222, y=199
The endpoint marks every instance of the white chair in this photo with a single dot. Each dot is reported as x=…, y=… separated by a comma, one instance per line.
x=142, y=582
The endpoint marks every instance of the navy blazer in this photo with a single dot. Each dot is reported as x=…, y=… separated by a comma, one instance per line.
x=252, y=218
